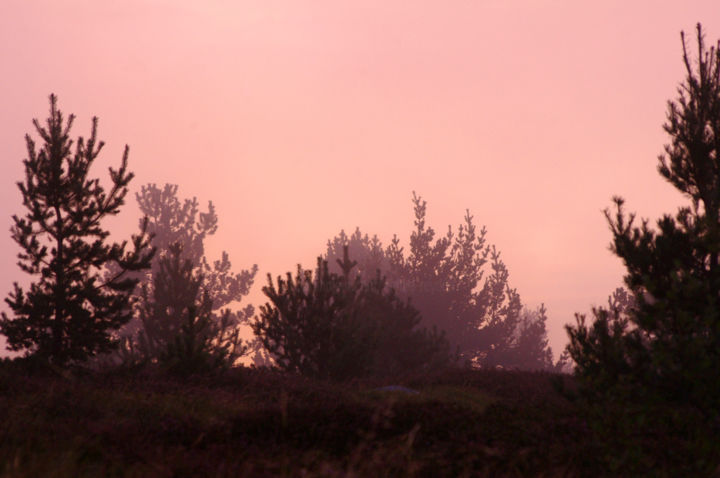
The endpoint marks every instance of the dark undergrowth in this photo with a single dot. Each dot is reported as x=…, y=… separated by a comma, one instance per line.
x=254, y=423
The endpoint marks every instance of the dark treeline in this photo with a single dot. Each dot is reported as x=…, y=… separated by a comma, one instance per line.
x=447, y=302
x=644, y=393
x=376, y=311
x=460, y=286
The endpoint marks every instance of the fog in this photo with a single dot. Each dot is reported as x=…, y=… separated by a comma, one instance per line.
x=299, y=120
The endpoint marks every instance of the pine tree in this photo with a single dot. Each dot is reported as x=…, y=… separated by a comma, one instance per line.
x=368, y=252
x=668, y=341
x=71, y=311
x=529, y=348
x=460, y=285
x=174, y=222
x=304, y=323
x=180, y=330
x=329, y=325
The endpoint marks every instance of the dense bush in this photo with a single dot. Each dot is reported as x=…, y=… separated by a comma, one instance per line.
x=331, y=326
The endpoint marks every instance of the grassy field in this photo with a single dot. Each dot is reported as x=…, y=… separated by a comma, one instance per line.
x=249, y=423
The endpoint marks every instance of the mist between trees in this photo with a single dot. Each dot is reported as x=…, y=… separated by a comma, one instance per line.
x=446, y=300
x=645, y=367
x=368, y=308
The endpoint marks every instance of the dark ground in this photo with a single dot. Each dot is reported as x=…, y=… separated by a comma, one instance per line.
x=248, y=423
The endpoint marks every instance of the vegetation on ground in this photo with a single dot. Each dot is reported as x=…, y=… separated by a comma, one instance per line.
x=254, y=422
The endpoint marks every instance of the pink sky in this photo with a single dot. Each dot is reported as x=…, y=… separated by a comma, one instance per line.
x=301, y=118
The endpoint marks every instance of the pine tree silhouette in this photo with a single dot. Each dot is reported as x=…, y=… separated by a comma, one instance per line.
x=668, y=340
x=331, y=326
x=71, y=310
x=459, y=284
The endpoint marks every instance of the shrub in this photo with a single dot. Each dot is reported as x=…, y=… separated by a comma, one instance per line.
x=329, y=326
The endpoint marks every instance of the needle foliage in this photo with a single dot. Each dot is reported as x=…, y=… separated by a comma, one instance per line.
x=70, y=311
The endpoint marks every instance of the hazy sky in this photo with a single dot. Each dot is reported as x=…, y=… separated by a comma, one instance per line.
x=301, y=118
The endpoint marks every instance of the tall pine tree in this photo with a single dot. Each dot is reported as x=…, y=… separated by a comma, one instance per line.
x=668, y=341
x=71, y=310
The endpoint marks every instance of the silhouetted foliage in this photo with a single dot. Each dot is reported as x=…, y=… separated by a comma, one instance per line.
x=666, y=344
x=446, y=280
x=180, y=330
x=597, y=349
x=530, y=349
x=333, y=326
x=71, y=311
x=175, y=223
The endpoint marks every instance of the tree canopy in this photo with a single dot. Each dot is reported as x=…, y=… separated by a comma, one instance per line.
x=181, y=276
x=668, y=340
x=179, y=328
x=332, y=325
x=460, y=285
x=73, y=308
x=172, y=221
